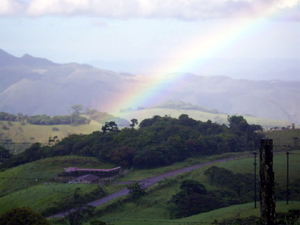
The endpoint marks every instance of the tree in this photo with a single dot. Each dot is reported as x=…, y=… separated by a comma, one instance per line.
x=24, y=216
x=79, y=215
x=133, y=122
x=77, y=109
x=110, y=126
x=136, y=190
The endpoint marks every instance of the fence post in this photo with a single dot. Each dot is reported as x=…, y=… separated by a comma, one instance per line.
x=267, y=187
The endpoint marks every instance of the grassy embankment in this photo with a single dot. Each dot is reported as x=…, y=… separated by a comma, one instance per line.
x=31, y=185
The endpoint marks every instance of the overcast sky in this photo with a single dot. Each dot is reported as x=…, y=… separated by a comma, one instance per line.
x=150, y=32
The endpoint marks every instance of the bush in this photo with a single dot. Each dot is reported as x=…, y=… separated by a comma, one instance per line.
x=24, y=216
x=55, y=129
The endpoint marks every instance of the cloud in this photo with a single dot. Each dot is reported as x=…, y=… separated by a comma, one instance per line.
x=119, y=9
x=11, y=7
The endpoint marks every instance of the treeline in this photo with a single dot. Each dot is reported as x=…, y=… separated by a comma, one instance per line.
x=159, y=141
x=44, y=119
x=76, y=118
x=57, y=120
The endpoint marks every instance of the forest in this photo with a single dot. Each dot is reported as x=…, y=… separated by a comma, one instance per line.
x=159, y=141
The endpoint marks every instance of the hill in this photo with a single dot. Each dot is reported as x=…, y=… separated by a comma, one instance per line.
x=38, y=86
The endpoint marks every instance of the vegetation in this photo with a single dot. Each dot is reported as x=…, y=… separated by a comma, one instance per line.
x=136, y=190
x=159, y=141
x=24, y=216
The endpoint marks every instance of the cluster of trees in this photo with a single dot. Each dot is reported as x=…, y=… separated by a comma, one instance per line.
x=7, y=117
x=193, y=198
x=158, y=142
x=45, y=119
x=231, y=189
x=56, y=120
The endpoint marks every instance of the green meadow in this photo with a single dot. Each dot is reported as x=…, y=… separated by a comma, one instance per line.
x=153, y=208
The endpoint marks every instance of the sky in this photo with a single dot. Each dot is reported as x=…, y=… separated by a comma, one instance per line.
x=218, y=37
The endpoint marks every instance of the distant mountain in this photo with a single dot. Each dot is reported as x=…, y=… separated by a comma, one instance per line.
x=38, y=86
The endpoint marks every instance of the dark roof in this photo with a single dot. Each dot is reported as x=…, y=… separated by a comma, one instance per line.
x=87, y=177
x=71, y=169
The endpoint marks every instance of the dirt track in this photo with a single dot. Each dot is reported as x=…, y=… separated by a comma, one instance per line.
x=146, y=183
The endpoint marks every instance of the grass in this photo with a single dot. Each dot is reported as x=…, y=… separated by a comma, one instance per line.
x=284, y=138
x=152, y=209
x=40, y=197
x=37, y=190
x=40, y=133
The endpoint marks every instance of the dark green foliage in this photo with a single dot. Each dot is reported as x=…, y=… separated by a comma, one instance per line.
x=239, y=185
x=193, y=199
x=7, y=116
x=4, y=127
x=4, y=155
x=73, y=119
x=110, y=126
x=159, y=141
x=24, y=216
x=133, y=122
x=80, y=215
x=136, y=190
x=97, y=222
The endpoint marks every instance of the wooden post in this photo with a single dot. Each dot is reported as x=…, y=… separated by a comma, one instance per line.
x=267, y=188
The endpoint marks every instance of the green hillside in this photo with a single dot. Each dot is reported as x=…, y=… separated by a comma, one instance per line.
x=152, y=209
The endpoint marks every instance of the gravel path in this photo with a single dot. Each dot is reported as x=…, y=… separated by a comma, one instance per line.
x=146, y=183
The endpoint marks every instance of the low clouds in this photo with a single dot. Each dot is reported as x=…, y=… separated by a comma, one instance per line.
x=120, y=9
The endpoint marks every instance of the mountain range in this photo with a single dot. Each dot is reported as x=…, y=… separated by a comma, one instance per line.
x=32, y=85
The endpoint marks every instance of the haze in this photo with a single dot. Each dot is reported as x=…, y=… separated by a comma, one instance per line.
x=241, y=39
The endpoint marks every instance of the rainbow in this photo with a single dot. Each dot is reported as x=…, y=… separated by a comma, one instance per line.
x=217, y=42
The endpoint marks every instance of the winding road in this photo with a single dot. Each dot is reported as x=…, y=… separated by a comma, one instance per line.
x=146, y=183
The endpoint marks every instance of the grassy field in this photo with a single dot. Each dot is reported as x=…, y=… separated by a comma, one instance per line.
x=28, y=133
x=31, y=185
